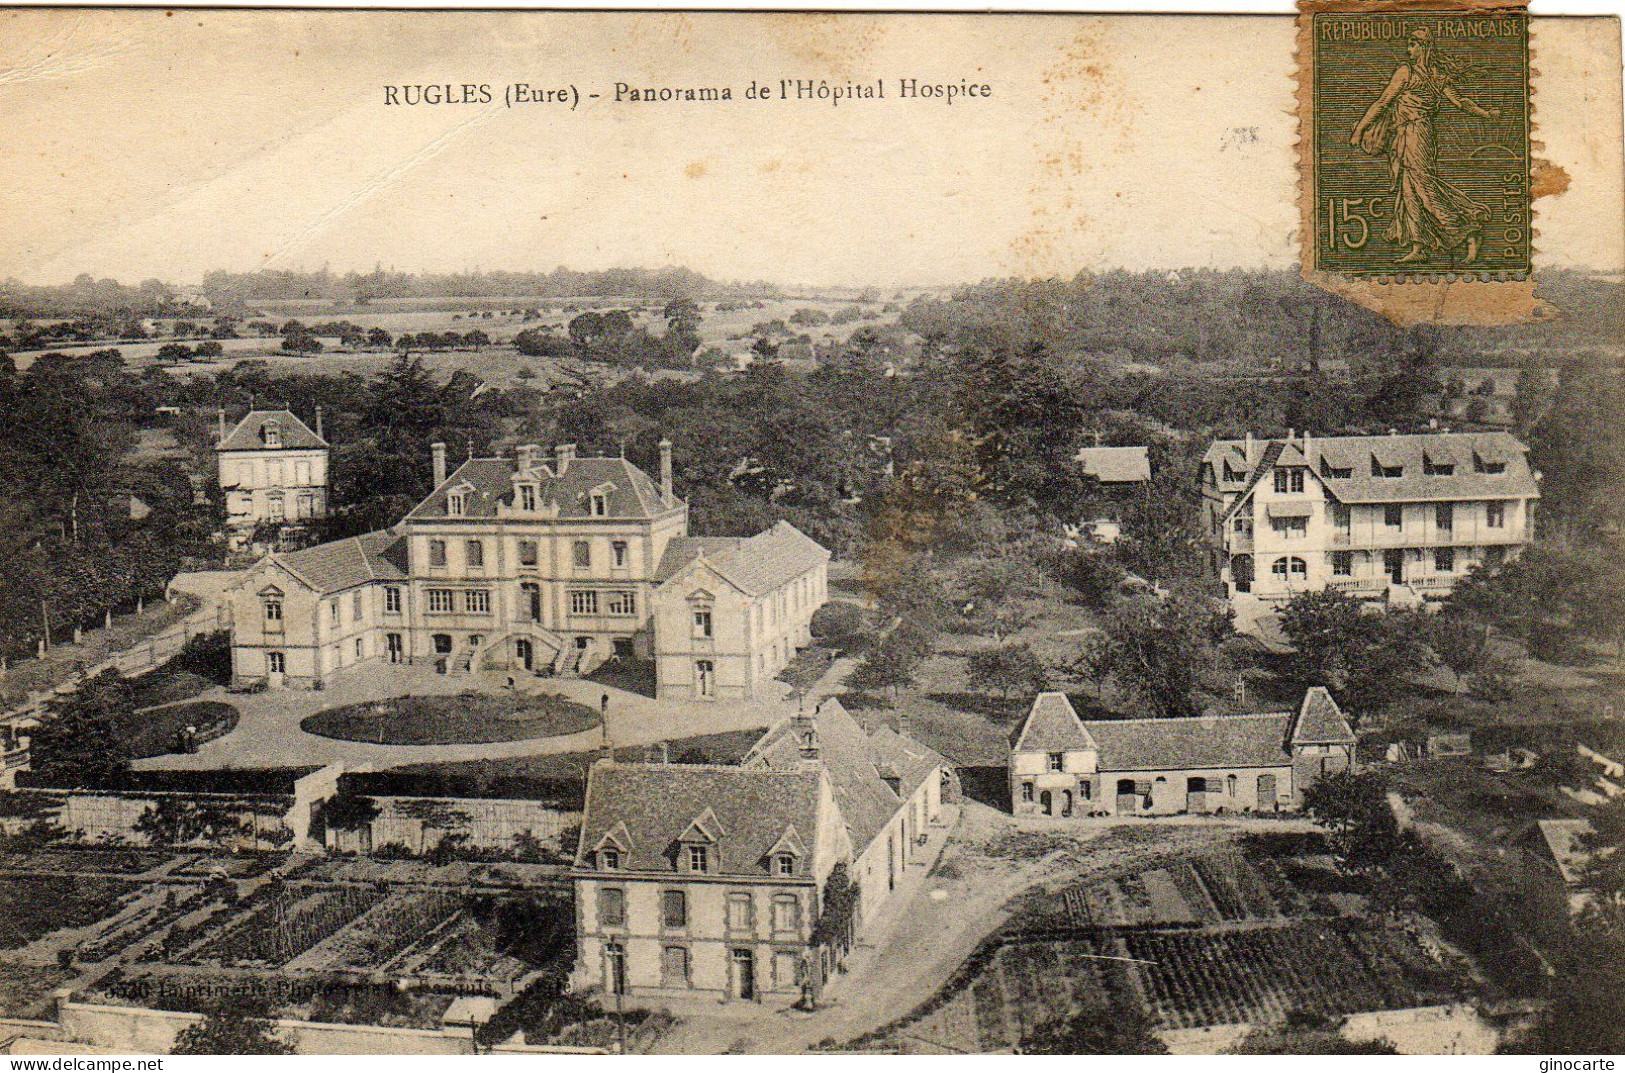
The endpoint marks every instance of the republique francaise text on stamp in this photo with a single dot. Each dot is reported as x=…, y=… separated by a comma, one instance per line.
x=1419, y=151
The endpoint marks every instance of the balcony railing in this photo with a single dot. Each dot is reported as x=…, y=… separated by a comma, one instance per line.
x=1463, y=537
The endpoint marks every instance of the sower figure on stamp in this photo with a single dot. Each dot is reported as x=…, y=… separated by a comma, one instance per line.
x=1429, y=213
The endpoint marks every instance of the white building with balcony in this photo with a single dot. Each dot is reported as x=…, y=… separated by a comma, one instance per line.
x=1394, y=519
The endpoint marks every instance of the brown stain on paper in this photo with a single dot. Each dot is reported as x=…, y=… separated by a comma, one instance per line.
x=1547, y=179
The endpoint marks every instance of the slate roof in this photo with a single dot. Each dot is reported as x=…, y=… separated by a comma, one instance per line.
x=1562, y=839
x=756, y=565
x=1320, y=721
x=1200, y=742
x=342, y=564
x=1463, y=450
x=1116, y=465
x=630, y=491
x=249, y=435
x=750, y=809
x=854, y=759
x=1052, y=726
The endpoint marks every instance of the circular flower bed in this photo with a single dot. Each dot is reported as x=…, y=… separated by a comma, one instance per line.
x=453, y=720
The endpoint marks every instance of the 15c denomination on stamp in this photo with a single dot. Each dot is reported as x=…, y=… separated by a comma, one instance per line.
x=1418, y=147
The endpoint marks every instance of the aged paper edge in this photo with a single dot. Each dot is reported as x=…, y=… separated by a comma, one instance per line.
x=1483, y=299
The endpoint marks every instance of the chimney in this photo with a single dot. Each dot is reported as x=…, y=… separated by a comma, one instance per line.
x=1308, y=442
x=665, y=468
x=219, y=442
x=437, y=451
x=562, y=456
x=319, y=435
x=526, y=453
x=805, y=728
x=1249, y=449
x=1291, y=434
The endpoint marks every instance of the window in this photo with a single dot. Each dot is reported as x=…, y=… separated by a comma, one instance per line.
x=1230, y=785
x=599, y=504
x=581, y=554
x=333, y=612
x=474, y=554
x=673, y=909
x=786, y=914
x=1483, y=465
x=274, y=509
x=1431, y=468
x=699, y=858
x=1289, y=480
x=360, y=648
x=392, y=600
x=457, y=504
x=611, y=906
x=674, y=966
x=477, y=602
x=1027, y=791
x=1289, y=566
x=527, y=497
x=355, y=607
x=705, y=675
x=1444, y=560
x=617, y=552
x=528, y=553
x=1290, y=528
x=437, y=553
x=1495, y=515
x=702, y=622
x=276, y=662
x=440, y=601
x=273, y=613
x=442, y=644
x=583, y=602
x=1057, y=761
x=1380, y=470
x=740, y=914
x=609, y=860
x=621, y=602
x=1444, y=516
x=273, y=434
x=1341, y=515
x=784, y=864
x=1393, y=516
x=1342, y=563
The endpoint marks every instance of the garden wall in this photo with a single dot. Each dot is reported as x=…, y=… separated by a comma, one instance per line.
x=136, y=1030
x=419, y=823
x=1419, y=1030
x=97, y=816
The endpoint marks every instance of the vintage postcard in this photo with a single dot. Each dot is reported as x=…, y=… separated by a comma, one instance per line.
x=578, y=533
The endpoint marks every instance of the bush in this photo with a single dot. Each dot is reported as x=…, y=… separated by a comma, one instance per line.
x=840, y=625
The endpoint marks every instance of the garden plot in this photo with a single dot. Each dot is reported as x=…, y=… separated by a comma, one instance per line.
x=383, y=931
x=282, y=923
x=158, y=907
x=109, y=861
x=493, y=940
x=34, y=906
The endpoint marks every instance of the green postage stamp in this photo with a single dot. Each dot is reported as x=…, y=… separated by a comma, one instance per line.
x=1419, y=144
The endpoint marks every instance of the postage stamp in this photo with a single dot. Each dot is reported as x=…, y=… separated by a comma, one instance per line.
x=1419, y=151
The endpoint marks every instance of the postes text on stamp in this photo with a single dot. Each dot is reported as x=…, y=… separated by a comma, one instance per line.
x=1420, y=145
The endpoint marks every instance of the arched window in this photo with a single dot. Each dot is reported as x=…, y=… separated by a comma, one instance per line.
x=1290, y=566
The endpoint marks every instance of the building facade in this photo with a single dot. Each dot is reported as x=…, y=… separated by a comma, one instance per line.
x=273, y=474
x=748, y=882
x=1390, y=519
x=1064, y=766
x=536, y=565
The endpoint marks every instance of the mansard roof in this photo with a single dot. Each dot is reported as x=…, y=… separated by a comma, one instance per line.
x=1415, y=453
x=755, y=565
x=343, y=564
x=249, y=435
x=1052, y=726
x=630, y=492
x=654, y=806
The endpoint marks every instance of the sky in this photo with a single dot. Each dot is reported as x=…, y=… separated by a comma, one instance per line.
x=150, y=144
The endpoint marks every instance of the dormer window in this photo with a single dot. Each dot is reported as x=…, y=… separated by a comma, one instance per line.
x=1488, y=465
x=599, y=503
x=1378, y=469
x=1430, y=468
x=784, y=864
x=273, y=434
x=527, y=497
x=273, y=609
x=699, y=858
x=457, y=504
x=609, y=860
x=1289, y=480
